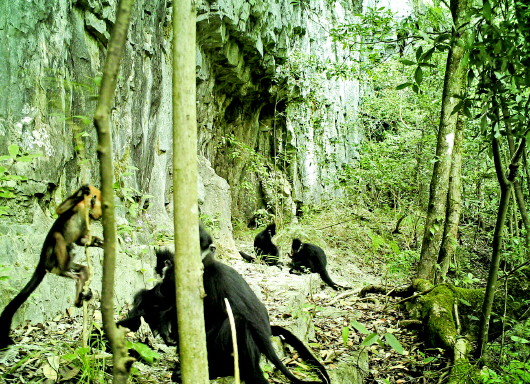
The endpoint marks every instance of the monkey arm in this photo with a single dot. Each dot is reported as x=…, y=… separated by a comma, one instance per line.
x=90, y=241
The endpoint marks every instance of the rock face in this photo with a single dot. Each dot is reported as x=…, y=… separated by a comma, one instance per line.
x=274, y=127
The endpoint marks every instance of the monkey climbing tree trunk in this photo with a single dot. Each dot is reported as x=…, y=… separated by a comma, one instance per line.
x=121, y=360
x=454, y=83
x=188, y=265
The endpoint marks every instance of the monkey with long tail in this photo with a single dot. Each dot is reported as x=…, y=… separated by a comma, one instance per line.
x=71, y=227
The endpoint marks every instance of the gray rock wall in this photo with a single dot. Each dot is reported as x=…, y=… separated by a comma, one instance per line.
x=271, y=146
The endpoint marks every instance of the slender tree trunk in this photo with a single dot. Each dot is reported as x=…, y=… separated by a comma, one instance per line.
x=506, y=184
x=454, y=83
x=188, y=265
x=121, y=360
x=519, y=196
x=454, y=206
x=527, y=171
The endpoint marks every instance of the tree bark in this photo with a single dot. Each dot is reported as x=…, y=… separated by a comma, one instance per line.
x=121, y=360
x=454, y=206
x=519, y=196
x=454, y=82
x=188, y=265
x=506, y=184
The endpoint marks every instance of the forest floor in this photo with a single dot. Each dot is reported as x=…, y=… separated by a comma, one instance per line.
x=339, y=321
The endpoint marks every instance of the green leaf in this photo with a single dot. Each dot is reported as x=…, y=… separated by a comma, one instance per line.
x=13, y=150
x=457, y=107
x=370, y=339
x=419, y=52
x=69, y=357
x=407, y=62
x=486, y=10
x=465, y=302
x=427, y=360
x=146, y=353
x=470, y=76
x=418, y=75
x=403, y=86
x=345, y=335
x=427, y=55
x=519, y=340
x=394, y=343
x=359, y=327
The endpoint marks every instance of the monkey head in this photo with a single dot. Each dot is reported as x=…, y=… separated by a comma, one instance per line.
x=295, y=246
x=77, y=202
x=96, y=209
x=271, y=228
x=207, y=247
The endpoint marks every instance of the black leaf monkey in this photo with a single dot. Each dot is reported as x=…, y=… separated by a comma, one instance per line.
x=70, y=227
x=252, y=321
x=264, y=247
x=311, y=257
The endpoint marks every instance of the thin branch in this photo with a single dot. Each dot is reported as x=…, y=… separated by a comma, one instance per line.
x=121, y=360
x=232, y=321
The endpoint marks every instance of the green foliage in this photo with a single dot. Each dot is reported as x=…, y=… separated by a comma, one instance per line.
x=372, y=338
x=345, y=335
x=514, y=372
x=262, y=218
x=87, y=368
x=508, y=361
x=403, y=263
x=144, y=351
x=500, y=62
x=467, y=280
x=211, y=222
x=378, y=34
x=240, y=151
x=9, y=180
x=373, y=28
x=270, y=178
x=133, y=199
x=392, y=169
x=4, y=269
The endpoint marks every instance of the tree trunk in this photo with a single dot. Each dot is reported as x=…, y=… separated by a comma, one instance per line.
x=519, y=196
x=506, y=184
x=121, y=360
x=454, y=206
x=454, y=83
x=188, y=265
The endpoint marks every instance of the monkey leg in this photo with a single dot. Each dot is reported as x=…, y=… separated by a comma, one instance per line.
x=60, y=254
x=79, y=273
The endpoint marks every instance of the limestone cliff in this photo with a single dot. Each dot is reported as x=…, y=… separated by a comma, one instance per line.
x=276, y=128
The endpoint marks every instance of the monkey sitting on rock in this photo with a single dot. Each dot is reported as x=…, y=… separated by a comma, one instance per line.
x=253, y=329
x=309, y=257
x=265, y=249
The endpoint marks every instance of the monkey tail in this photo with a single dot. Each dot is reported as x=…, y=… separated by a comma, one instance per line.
x=325, y=277
x=269, y=352
x=9, y=311
x=247, y=257
x=302, y=350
